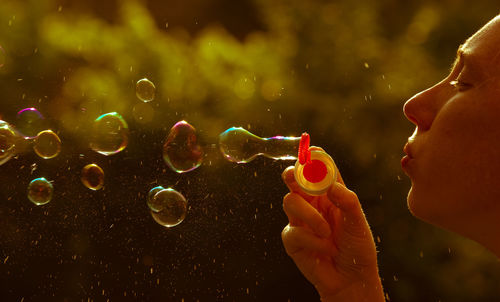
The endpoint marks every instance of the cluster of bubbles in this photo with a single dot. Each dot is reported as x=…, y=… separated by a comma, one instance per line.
x=109, y=135
x=167, y=206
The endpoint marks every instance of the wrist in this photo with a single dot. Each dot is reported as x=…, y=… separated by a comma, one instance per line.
x=363, y=291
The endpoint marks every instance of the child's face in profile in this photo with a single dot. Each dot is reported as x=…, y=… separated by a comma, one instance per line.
x=455, y=149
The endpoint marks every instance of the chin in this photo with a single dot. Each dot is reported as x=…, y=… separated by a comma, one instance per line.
x=422, y=208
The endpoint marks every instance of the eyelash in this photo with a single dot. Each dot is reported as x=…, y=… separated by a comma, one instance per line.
x=459, y=86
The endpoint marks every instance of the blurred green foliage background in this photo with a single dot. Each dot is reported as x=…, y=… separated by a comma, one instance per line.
x=340, y=70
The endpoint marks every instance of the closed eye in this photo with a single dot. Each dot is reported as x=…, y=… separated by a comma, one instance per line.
x=459, y=85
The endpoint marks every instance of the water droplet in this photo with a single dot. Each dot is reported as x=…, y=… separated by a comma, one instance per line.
x=152, y=201
x=172, y=205
x=29, y=122
x=40, y=191
x=47, y=144
x=8, y=138
x=92, y=177
x=241, y=146
x=109, y=134
x=145, y=90
x=181, y=150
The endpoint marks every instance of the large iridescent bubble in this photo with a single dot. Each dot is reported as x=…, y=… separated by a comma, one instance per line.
x=241, y=146
x=109, y=134
x=181, y=150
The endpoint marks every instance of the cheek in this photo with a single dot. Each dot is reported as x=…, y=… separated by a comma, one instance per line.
x=457, y=171
x=440, y=172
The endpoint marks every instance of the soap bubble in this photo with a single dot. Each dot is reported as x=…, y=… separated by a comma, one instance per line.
x=92, y=177
x=181, y=150
x=29, y=122
x=8, y=138
x=40, y=191
x=47, y=144
x=170, y=207
x=151, y=200
x=145, y=90
x=241, y=146
x=109, y=134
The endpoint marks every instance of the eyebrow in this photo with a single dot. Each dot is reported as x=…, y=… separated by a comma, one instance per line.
x=466, y=56
x=460, y=54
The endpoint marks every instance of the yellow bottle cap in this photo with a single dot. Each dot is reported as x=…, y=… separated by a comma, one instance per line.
x=317, y=175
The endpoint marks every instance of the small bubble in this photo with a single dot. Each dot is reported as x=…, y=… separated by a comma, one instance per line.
x=40, y=191
x=29, y=122
x=173, y=207
x=366, y=65
x=109, y=134
x=47, y=144
x=181, y=150
x=152, y=201
x=145, y=90
x=92, y=177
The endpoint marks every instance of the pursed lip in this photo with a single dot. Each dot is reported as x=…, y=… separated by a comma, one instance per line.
x=407, y=158
x=407, y=150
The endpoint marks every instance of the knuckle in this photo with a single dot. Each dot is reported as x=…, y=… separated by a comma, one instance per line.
x=285, y=234
x=288, y=201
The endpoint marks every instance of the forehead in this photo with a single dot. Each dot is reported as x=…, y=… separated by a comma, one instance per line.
x=484, y=46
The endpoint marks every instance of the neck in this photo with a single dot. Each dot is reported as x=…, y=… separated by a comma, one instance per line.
x=486, y=232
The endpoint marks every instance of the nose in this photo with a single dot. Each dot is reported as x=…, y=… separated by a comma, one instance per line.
x=421, y=108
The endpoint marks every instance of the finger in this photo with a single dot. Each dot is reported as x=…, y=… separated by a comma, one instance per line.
x=316, y=148
x=298, y=209
x=339, y=177
x=346, y=200
x=289, y=179
x=296, y=239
